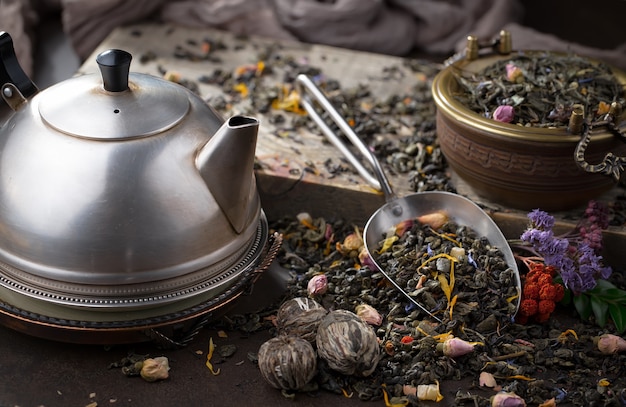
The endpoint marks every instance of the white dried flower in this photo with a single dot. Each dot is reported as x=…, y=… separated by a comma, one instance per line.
x=154, y=369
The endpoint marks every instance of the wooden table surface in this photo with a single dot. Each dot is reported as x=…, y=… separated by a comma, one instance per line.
x=292, y=177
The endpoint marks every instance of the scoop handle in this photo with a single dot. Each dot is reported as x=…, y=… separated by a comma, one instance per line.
x=309, y=94
x=11, y=70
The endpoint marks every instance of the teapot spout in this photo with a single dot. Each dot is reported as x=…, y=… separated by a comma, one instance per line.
x=226, y=163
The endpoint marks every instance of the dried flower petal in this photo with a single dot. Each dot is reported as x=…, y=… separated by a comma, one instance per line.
x=603, y=108
x=507, y=399
x=435, y=219
x=352, y=244
x=369, y=314
x=455, y=347
x=407, y=339
x=548, y=403
x=457, y=252
x=306, y=219
x=154, y=369
x=318, y=285
x=609, y=344
x=366, y=260
x=514, y=73
x=487, y=379
x=387, y=244
x=209, y=355
x=425, y=392
x=403, y=226
x=504, y=113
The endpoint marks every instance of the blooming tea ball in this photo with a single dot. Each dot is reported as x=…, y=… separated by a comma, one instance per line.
x=300, y=316
x=347, y=343
x=287, y=362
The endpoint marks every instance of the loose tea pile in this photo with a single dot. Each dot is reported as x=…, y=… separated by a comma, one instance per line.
x=467, y=362
x=452, y=272
x=556, y=360
x=400, y=128
x=541, y=89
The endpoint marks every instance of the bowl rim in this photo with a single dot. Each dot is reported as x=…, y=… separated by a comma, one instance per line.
x=446, y=104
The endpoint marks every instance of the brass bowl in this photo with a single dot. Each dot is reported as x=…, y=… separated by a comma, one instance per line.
x=519, y=167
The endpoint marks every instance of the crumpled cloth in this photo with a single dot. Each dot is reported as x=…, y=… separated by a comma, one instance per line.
x=394, y=27
x=17, y=18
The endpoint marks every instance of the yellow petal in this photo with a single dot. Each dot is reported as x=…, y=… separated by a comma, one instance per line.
x=387, y=244
x=444, y=286
x=451, y=276
x=346, y=394
x=563, y=335
x=388, y=402
x=209, y=356
x=452, y=302
x=521, y=377
x=444, y=336
x=242, y=89
x=548, y=403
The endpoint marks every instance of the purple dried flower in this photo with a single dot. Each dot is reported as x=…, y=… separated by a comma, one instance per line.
x=555, y=247
x=541, y=220
x=538, y=238
x=575, y=258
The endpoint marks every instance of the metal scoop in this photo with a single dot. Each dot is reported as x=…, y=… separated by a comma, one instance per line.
x=459, y=209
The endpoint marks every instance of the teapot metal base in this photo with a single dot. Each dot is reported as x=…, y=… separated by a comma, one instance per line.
x=170, y=325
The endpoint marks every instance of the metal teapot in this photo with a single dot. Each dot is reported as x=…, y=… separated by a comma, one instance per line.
x=122, y=191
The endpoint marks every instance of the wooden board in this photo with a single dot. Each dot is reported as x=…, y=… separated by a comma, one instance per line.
x=292, y=176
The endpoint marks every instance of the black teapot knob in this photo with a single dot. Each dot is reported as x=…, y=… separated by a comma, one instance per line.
x=114, y=66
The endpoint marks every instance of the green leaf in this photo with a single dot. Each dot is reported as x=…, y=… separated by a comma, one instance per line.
x=567, y=297
x=611, y=294
x=583, y=306
x=600, y=311
x=604, y=284
x=618, y=315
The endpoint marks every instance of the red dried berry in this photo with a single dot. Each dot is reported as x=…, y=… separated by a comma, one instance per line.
x=532, y=276
x=531, y=290
x=551, y=270
x=546, y=307
x=544, y=279
x=559, y=292
x=528, y=307
x=547, y=292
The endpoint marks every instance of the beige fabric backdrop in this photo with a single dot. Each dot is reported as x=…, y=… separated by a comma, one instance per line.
x=384, y=26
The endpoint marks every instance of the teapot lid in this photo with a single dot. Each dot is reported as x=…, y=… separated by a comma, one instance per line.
x=119, y=106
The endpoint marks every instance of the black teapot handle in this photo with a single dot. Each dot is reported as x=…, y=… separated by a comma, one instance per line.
x=10, y=69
